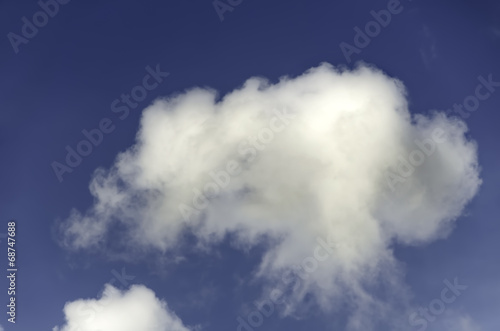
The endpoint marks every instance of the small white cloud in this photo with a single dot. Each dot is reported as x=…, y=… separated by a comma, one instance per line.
x=137, y=309
x=428, y=50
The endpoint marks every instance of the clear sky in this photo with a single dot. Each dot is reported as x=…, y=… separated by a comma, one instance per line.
x=90, y=68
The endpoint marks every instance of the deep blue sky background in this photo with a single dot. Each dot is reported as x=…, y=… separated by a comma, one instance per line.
x=65, y=78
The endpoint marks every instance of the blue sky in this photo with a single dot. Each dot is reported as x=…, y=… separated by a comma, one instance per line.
x=71, y=74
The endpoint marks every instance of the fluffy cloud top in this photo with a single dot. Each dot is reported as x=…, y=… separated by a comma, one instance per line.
x=331, y=153
x=137, y=309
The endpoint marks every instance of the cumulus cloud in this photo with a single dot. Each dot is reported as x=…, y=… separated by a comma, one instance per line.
x=136, y=309
x=330, y=154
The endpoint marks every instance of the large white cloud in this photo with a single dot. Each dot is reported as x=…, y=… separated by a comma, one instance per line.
x=136, y=309
x=325, y=154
